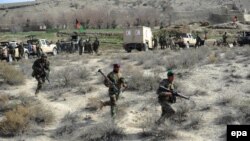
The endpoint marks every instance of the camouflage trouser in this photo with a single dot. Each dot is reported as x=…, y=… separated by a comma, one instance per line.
x=12, y=53
x=167, y=111
x=112, y=104
x=40, y=81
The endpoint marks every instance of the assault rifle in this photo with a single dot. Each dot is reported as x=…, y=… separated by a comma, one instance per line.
x=108, y=80
x=174, y=93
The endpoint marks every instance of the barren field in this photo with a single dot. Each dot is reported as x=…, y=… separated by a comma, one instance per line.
x=216, y=78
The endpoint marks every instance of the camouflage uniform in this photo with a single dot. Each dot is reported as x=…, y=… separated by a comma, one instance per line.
x=81, y=45
x=165, y=101
x=12, y=52
x=96, y=45
x=21, y=50
x=40, y=67
x=113, y=94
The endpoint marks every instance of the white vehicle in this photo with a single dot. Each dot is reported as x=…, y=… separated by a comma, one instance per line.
x=139, y=38
x=185, y=40
x=46, y=47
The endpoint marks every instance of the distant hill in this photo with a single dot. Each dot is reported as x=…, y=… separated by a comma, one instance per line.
x=105, y=13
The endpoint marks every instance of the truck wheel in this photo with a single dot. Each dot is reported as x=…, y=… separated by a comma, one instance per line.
x=54, y=52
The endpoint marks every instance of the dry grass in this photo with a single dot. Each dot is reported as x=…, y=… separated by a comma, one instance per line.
x=20, y=118
x=194, y=122
x=11, y=75
x=106, y=131
x=226, y=119
x=15, y=121
x=139, y=82
x=69, y=77
x=93, y=104
x=226, y=100
x=4, y=99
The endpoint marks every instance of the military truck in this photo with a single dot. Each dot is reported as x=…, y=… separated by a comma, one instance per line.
x=243, y=38
x=139, y=38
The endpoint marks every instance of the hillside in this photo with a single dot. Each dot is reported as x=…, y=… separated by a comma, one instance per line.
x=142, y=11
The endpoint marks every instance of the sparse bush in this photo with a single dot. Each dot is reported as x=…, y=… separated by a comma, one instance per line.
x=139, y=82
x=193, y=122
x=41, y=115
x=4, y=99
x=226, y=119
x=68, y=77
x=10, y=74
x=200, y=93
x=15, y=121
x=106, y=131
x=225, y=100
x=248, y=76
x=166, y=132
x=20, y=117
x=181, y=113
x=230, y=55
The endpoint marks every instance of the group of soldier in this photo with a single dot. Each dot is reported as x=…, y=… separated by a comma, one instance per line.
x=82, y=46
x=9, y=51
x=116, y=84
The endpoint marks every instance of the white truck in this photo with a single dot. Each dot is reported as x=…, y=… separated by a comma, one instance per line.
x=46, y=47
x=139, y=38
x=185, y=40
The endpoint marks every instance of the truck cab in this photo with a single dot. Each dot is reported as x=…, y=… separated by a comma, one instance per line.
x=139, y=38
x=184, y=38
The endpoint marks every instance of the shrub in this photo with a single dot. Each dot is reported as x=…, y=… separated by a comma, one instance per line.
x=107, y=131
x=4, y=99
x=225, y=100
x=139, y=82
x=68, y=77
x=11, y=75
x=20, y=118
x=226, y=119
x=15, y=121
x=193, y=122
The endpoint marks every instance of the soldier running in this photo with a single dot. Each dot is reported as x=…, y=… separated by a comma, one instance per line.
x=119, y=82
x=166, y=98
x=40, y=71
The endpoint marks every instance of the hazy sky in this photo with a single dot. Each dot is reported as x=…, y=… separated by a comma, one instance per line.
x=11, y=1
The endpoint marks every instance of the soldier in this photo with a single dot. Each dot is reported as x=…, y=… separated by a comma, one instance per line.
x=119, y=82
x=155, y=42
x=166, y=98
x=21, y=50
x=224, y=38
x=81, y=46
x=198, y=41
x=38, y=50
x=88, y=46
x=96, y=45
x=12, y=51
x=40, y=71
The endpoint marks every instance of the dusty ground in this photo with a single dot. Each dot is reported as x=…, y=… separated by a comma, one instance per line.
x=218, y=87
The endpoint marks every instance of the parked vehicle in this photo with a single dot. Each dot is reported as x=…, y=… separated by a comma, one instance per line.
x=243, y=38
x=139, y=38
x=185, y=39
x=46, y=47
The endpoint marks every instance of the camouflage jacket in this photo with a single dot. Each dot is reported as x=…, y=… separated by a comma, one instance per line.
x=117, y=80
x=39, y=67
x=160, y=91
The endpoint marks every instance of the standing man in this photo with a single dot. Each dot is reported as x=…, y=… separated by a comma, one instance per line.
x=40, y=71
x=96, y=45
x=81, y=46
x=155, y=42
x=114, y=92
x=12, y=51
x=21, y=50
x=165, y=97
x=224, y=38
x=38, y=50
